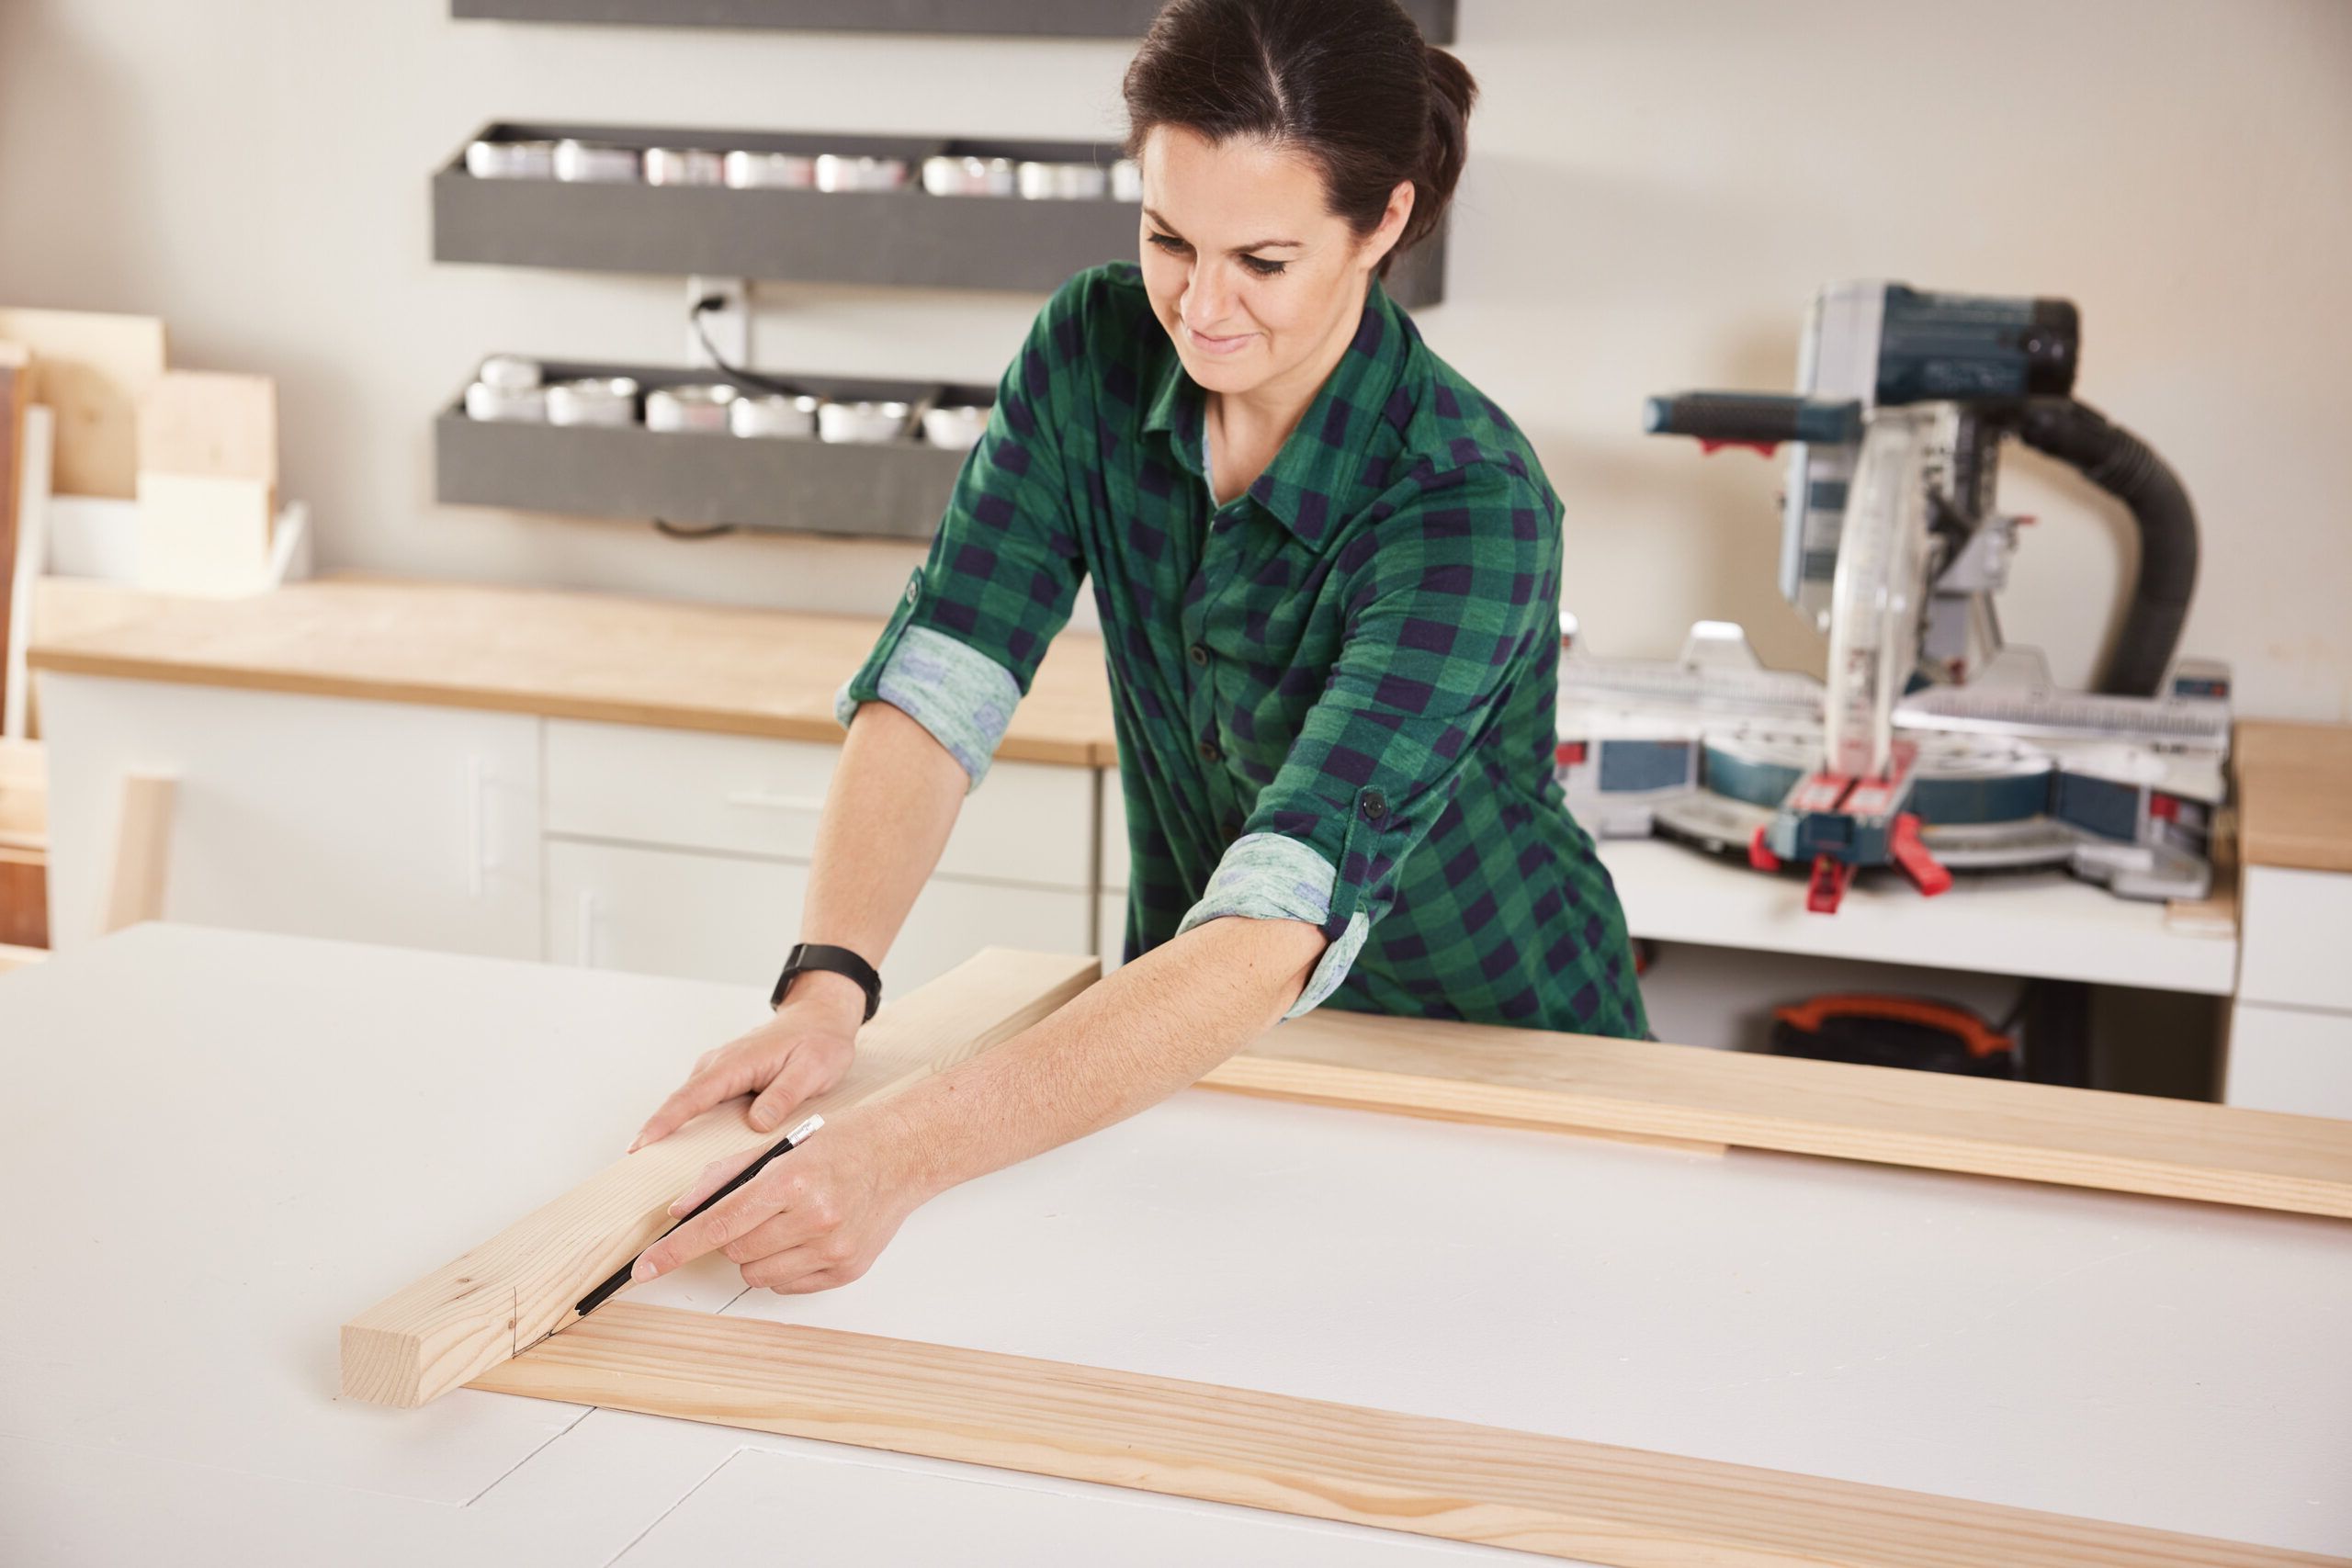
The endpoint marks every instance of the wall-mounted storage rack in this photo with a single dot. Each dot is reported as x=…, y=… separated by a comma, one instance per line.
x=907, y=237
x=799, y=484
x=1063, y=18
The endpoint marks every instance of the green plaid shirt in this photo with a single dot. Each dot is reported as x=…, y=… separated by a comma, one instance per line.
x=1334, y=695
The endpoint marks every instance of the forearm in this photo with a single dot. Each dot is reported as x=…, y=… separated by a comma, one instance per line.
x=888, y=810
x=1147, y=1030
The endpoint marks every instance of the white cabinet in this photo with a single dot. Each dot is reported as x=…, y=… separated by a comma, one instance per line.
x=2291, y=1028
x=381, y=822
x=676, y=852
x=664, y=850
x=1028, y=822
x=733, y=918
x=1111, y=848
x=2289, y=1059
x=2297, y=930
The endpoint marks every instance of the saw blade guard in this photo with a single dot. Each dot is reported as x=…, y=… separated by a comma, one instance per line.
x=1875, y=596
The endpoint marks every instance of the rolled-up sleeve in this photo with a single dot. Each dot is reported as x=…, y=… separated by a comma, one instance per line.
x=965, y=640
x=1442, y=598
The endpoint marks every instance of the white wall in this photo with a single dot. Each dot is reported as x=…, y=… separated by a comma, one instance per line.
x=1655, y=188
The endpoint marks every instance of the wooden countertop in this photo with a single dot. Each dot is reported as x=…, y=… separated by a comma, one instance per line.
x=2294, y=795
x=562, y=655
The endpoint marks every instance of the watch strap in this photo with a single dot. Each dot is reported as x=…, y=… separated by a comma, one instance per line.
x=840, y=961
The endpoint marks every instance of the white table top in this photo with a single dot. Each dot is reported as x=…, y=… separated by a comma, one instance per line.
x=2045, y=924
x=223, y=1144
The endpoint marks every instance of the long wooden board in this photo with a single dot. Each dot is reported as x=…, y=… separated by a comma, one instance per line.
x=1452, y=1479
x=484, y=1306
x=92, y=369
x=2075, y=1137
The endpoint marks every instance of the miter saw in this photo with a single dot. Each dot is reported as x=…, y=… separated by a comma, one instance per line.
x=1931, y=745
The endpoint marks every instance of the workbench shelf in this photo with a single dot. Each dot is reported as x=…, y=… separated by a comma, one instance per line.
x=893, y=489
x=902, y=238
x=1035, y=18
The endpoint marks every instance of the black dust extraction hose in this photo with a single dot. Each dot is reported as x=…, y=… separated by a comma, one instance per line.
x=2123, y=465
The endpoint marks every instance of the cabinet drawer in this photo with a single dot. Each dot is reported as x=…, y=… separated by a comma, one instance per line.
x=330, y=817
x=2286, y=1059
x=730, y=918
x=1028, y=822
x=1114, y=831
x=2294, y=926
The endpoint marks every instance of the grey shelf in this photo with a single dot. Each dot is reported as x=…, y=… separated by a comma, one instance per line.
x=905, y=238
x=1062, y=18
x=798, y=485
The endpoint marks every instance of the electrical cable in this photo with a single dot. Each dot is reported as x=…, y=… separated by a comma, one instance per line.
x=744, y=380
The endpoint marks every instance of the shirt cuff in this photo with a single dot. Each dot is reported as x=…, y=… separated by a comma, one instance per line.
x=1266, y=876
x=964, y=698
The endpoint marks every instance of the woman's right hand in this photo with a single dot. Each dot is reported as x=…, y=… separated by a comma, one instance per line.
x=802, y=1051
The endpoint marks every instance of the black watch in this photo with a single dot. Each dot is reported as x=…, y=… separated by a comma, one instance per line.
x=840, y=959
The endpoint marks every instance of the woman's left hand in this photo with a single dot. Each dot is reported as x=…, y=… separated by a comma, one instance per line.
x=816, y=1217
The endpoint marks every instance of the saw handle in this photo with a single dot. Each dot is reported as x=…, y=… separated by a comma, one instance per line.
x=1762, y=420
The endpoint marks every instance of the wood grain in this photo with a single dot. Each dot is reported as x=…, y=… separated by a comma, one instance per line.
x=484, y=1306
x=93, y=370
x=2294, y=795
x=142, y=853
x=1556, y=1496
x=561, y=655
x=16, y=383
x=209, y=424
x=2074, y=1137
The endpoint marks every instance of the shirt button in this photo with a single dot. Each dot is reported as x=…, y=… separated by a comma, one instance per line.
x=1209, y=753
x=914, y=590
x=1198, y=653
x=1375, y=806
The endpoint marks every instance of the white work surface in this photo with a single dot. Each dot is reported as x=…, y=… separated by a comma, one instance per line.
x=219, y=1145
x=2044, y=924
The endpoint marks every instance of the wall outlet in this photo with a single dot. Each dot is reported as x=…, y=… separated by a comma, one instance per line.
x=727, y=325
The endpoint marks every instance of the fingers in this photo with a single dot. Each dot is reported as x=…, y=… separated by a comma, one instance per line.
x=801, y=1076
x=709, y=1230
x=798, y=1270
x=714, y=1176
x=801, y=1221
x=722, y=1080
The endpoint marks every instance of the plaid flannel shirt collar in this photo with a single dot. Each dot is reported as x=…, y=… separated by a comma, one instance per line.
x=1303, y=487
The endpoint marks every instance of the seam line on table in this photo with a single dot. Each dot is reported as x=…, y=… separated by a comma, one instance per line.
x=679, y=1501
x=536, y=1449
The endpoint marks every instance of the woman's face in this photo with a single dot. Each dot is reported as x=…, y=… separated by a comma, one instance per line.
x=1246, y=270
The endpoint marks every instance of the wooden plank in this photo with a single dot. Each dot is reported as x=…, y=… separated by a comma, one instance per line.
x=2075, y=1137
x=485, y=1306
x=209, y=424
x=142, y=852
x=29, y=554
x=93, y=370
x=560, y=654
x=2294, y=795
x=15, y=385
x=1556, y=1496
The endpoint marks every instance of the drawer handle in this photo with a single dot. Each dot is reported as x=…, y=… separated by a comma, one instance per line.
x=768, y=800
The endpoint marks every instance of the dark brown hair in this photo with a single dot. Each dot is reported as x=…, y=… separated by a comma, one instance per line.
x=1350, y=83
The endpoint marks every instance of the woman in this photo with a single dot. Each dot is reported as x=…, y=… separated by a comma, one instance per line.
x=1326, y=572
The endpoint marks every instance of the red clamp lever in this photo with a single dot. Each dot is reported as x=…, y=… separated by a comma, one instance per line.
x=1911, y=853
x=1760, y=855
x=1826, y=887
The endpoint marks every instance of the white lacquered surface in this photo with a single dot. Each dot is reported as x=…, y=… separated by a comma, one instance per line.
x=2045, y=924
x=284, y=1130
